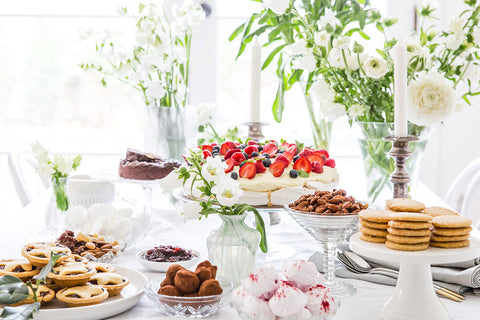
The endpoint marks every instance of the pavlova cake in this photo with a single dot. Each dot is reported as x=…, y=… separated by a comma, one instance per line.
x=272, y=173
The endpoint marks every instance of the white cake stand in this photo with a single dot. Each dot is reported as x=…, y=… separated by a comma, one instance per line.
x=414, y=297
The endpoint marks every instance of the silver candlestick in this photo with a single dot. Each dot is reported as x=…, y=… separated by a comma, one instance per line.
x=400, y=152
x=255, y=130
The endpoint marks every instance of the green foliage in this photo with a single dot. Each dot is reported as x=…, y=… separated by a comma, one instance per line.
x=23, y=312
x=12, y=290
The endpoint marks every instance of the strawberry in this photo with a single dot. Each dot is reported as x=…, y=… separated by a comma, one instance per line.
x=238, y=157
x=207, y=147
x=237, y=144
x=252, y=143
x=317, y=167
x=270, y=148
x=248, y=170
x=229, y=154
x=277, y=168
x=282, y=158
x=306, y=152
x=227, y=146
x=260, y=167
x=230, y=164
x=302, y=164
x=250, y=149
x=330, y=163
x=206, y=154
x=287, y=155
x=323, y=152
x=315, y=158
x=292, y=149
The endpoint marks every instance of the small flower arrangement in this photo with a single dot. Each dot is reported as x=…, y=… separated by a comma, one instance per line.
x=55, y=169
x=215, y=192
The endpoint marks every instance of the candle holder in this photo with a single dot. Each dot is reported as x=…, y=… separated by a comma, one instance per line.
x=400, y=152
x=255, y=130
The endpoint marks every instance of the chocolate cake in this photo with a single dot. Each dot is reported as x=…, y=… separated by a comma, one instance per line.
x=139, y=165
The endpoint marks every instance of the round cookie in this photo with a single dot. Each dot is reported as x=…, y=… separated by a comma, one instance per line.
x=406, y=247
x=405, y=205
x=369, y=238
x=372, y=215
x=439, y=238
x=410, y=216
x=406, y=239
x=373, y=232
x=451, y=222
x=409, y=225
x=439, y=211
x=409, y=233
x=375, y=225
x=451, y=244
x=452, y=231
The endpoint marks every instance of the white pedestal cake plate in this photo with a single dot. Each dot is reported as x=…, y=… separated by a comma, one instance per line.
x=414, y=296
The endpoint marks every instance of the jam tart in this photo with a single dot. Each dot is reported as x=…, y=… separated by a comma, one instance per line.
x=19, y=268
x=43, y=293
x=72, y=274
x=38, y=253
x=102, y=267
x=82, y=295
x=113, y=282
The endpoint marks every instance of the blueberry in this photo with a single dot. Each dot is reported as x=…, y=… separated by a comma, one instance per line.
x=242, y=146
x=280, y=151
x=293, y=173
x=266, y=163
x=254, y=154
x=242, y=163
x=260, y=148
x=295, y=158
x=214, y=154
x=234, y=175
x=245, y=155
x=215, y=149
x=223, y=159
x=266, y=155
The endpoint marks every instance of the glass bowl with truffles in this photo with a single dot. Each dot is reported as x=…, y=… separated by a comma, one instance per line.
x=330, y=217
x=191, y=294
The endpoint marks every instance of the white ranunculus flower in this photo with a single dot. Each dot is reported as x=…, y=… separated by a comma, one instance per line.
x=335, y=58
x=375, y=67
x=456, y=23
x=352, y=62
x=413, y=50
x=341, y=43
x=214, y=169
x=64, y=163
x=473, y=74
x=298, y=47
x=45, y=169
x=328, y=18
x=155, y=90
x=322, y=90
x=227, y=191
x=431, y=99
x=454, y=41
x=476, y=36
x=191, y=210
x=171, y=182
x=322, y=38
x=189, y=14
x=305, y=62
x=204, y=113
x=277, y=6
x=356, y=110
x=332, y=110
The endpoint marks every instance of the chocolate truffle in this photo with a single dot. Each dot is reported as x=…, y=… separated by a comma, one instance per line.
x=207, y=264
x=186, y=281
x=171, y=272
x=169, y=290
x=204, y=273
x=209, y=288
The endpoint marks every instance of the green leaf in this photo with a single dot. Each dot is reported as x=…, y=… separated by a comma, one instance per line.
x=303, y=174
x=24, y=312
x=42, y=276
x=277, y=30
x=260, y=225
x=257, y=32
x=236, y=32
x=279, y=103
x=245, y=33
x=295, y=77
x=12, y=290
x=272, y=55
x=207, y=211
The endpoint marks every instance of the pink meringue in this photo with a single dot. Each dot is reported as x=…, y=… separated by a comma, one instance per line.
x=287, y=301
x=303, y=314
x=302, y=272
x=319, y=300
x=258, y=308
x=262, y=283
x=238, y=296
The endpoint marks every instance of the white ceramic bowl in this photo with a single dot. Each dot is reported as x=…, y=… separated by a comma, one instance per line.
x=163, y=266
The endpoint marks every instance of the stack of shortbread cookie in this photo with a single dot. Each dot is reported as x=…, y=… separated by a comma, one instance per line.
x=451, y=231
x=408, y=231
x=373, y=225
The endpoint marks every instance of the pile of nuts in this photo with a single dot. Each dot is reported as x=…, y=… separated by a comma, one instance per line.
x=328, y=203
x=88, y=246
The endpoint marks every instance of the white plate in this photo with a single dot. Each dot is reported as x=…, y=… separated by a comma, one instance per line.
x=163, y=266
x=129, y=297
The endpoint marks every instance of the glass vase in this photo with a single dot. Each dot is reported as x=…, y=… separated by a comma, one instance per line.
x=378, y=165
x=164, y=131
x=233, y=247
x=57, y=205
x=321, y=127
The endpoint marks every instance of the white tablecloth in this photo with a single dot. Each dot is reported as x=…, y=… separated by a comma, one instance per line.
x=20, y=228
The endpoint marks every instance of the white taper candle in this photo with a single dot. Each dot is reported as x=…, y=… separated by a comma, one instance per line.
x=399, y=55
x=255, y=75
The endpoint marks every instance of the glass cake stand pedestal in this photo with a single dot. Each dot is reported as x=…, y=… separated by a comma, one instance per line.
x=414, y=296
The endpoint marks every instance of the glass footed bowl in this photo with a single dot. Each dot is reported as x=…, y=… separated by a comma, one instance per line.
x=329, y=230
x=190, y=307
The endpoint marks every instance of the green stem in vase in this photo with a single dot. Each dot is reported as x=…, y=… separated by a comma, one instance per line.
x=61, y=197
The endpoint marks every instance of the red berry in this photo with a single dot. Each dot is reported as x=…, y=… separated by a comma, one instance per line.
x=207, y=147
x=238, y=157
x=252, y=143
x=237, y=144
x=229, y=154
x=306, y=152
x=323, y=152
x=277, y=168
x=248, y=170
x=250, y=149
x=315, y=158
x=287, y=155
x=302, y=164
x=317, y=167
x=206, y=154
x=260, y=167
x=330, y=163
x=283, y=159
x=270, y=148
x=227, y=146
x=230, y=164
x=292, y=149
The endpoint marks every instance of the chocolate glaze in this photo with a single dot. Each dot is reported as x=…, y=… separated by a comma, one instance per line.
x=145, y=166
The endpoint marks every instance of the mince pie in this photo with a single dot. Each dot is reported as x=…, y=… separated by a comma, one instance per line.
x=102, y=267
x=113, y=282
x=19, y=268
x=38, y=253
x=71, y=258
x=82, y=295
x=43, y=293
x=72, y=274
